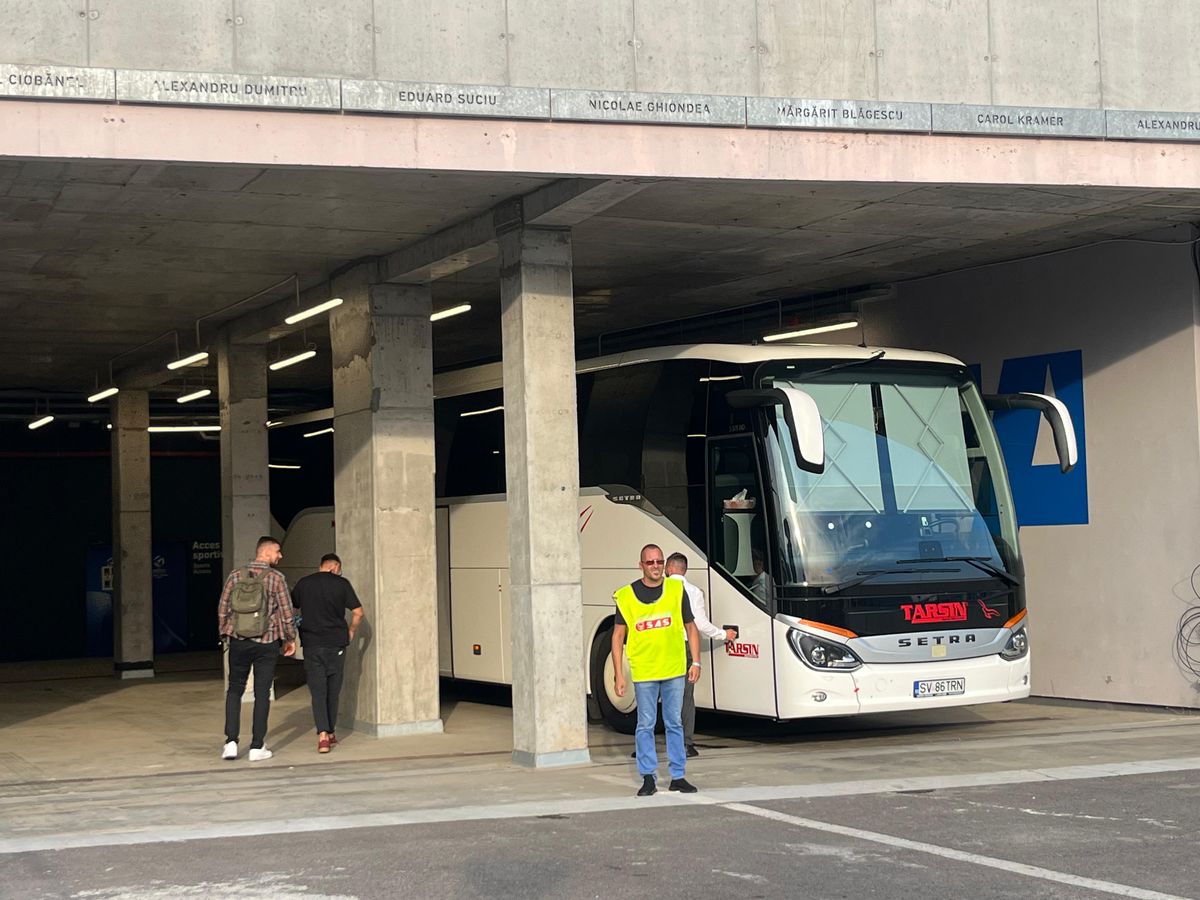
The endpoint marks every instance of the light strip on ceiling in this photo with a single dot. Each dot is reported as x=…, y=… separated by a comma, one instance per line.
x=202, y=356
x=480, y=412
x=452, y=311
x=292, y=360
x=322, y=431
x=101, y=395
x=805, y=332
x=719, y=378
x=38, y=423
x=281, y=466
x=313, y=311
x=166, y=429
x=194, y=395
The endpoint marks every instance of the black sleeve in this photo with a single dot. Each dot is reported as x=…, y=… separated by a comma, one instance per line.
x=298, y=594
x=620, y=619
x=349, y=598
x=687, y=609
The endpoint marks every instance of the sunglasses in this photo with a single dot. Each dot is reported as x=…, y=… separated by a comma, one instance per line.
x=652, y=562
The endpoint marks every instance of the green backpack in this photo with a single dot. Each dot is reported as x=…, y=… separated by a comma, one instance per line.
x=249, y=604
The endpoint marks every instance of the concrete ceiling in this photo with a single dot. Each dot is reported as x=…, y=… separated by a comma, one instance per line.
x=96, y=259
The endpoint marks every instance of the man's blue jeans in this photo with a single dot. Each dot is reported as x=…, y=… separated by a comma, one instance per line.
x=648, y=694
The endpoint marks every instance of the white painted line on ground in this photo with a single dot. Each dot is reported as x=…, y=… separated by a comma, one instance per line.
x=16, y=842
x=1004, y=865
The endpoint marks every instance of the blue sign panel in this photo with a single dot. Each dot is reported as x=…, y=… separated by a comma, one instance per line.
x=1042, y=493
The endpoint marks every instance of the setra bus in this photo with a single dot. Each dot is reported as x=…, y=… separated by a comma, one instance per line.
x=846, y=509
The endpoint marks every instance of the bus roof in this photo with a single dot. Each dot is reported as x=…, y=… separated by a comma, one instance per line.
x=488, y=376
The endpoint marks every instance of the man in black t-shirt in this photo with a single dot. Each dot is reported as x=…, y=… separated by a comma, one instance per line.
x=322, y=600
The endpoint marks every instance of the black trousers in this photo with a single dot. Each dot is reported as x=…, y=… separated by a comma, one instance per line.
x=245, y=655
x=324, y=668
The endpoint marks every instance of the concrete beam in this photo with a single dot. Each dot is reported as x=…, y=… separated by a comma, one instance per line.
x=560, y=204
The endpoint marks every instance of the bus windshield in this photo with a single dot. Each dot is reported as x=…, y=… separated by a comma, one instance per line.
x=914, y=488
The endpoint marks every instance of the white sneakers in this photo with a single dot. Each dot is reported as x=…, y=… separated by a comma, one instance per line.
x=230, y=752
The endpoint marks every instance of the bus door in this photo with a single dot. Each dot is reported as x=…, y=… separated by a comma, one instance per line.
x=739, y=589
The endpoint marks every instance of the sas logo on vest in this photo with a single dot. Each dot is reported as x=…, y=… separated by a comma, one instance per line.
x=651, y=624
x=746, y=651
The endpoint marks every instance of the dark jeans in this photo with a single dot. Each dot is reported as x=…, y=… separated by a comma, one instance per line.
x=245, y=655
x=324, y=667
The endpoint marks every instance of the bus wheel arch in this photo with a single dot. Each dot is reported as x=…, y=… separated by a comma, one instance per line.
x=619, y=713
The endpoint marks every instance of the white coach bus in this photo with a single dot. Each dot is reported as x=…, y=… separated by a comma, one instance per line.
x=847, y=510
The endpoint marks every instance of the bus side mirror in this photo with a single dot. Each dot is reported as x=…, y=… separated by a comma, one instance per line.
x=802, y=417
x=1057, y=416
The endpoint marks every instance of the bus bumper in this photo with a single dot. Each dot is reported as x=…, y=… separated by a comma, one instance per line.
x=877, y=687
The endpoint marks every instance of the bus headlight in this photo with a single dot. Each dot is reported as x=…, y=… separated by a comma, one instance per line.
x=822, y=655
x=1017, y=646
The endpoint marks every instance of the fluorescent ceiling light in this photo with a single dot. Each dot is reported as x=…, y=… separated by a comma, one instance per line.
x=38, y=423
x=804, y=332
x=719, y=378
x=322, y=431
x=280, y=466
x=480, y=412
x=194, y=395
x=202, y=356
x=292, y=360
x=164, y=429
x=452, y=311
x=313, y=311
x=271, y=424
x=697, y=435
x=100, y=395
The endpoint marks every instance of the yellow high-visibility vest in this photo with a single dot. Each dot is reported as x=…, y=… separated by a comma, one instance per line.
x=655, y=644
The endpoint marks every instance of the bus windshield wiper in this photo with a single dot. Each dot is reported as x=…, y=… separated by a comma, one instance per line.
x=873, y=573
x=878, y=354
x=983, y=563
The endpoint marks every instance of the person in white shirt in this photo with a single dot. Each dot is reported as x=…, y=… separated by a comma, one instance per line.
x=676, y=567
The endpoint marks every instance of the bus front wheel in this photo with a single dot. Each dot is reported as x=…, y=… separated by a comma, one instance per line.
x=619, y=712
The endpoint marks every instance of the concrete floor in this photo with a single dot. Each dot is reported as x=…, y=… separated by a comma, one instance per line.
x=114, y=790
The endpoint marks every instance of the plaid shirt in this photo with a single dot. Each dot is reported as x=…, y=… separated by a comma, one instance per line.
x=280, y=615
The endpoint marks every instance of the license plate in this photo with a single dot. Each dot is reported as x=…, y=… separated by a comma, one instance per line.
x=939, y=687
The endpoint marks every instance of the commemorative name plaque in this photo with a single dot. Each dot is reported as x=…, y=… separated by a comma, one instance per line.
x=846, y=115
x=1153, y=125
x=631, y=106
x=62, y=82
x=1033, y=121
x=422, y=98
x=210, y=89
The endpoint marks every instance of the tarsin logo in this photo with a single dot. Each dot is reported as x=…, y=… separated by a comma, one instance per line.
x=651, y=624
x=918, y=613
x=746, y=651
x=988, y=612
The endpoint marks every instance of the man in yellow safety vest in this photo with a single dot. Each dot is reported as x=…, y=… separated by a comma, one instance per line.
x=655, y=613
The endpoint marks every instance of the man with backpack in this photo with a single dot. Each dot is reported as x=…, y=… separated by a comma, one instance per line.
x=255, y=615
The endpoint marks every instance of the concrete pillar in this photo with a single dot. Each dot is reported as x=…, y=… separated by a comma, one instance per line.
x=133, y=579
x=384, y=495
x=245, y=477
x=245, y=483
x=540, y=435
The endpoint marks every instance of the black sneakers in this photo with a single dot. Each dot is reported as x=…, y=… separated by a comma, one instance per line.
x=683, y=786
x=692, y=751
x=649, y=787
